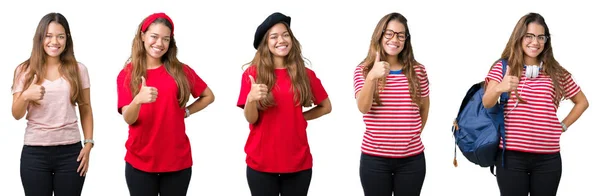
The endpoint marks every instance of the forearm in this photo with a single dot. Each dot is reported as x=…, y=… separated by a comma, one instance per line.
x=318, y=111
x=365, y=96
x=200, y=104
x=424, y=112
x=251, y=112
x=87, y=121
x=19, y=107
x=131, y=112
x=581, y=104
x=491, y=95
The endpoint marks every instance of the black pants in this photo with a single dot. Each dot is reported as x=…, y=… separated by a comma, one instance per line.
x=272, y=184
x=381, y=176
x=142, y=183
x=51, y=169
x=523, y=173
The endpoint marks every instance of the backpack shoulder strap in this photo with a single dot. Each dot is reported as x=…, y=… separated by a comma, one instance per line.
x=504, y=95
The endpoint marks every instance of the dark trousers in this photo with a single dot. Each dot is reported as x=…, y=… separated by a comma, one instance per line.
x=272, y=184
x=141, y=183
x=382, y=176
x=524, y=173
x=51, y=169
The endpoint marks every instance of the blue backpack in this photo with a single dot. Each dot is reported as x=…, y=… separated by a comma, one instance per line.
x=478, y=130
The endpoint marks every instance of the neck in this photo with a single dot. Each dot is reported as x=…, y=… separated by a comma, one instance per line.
x=52, y=61
x=531, y=61
x=152, y=63
x=278, y=62
x=394, y=63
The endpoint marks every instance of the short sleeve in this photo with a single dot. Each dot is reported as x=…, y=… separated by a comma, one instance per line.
x=495, y=73
x=423, y=80
x=19, y=80
x=123, y=90
x=317, y=89
x=568, y=84
x=245, y=86
x=84, y=77
x=359, y=79
x=197, y=85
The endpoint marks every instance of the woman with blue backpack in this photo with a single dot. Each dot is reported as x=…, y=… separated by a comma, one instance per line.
x=392, y=92
x=536, y=84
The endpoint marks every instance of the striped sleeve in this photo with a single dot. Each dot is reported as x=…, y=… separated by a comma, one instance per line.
x=423, y=80
x=569, y=85
x=359, y=79
x=495, y=74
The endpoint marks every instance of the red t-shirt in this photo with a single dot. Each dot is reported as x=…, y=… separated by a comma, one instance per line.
x=157, y=141
x=534, y=126
x=277, y=142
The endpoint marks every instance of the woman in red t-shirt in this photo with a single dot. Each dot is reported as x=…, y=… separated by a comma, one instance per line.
x=536, y=84
x=392, y=92
x=159, y=158
x=275, y=88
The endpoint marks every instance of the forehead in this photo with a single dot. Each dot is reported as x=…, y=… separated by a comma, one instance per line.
x=159, y=28
x=535, y=28
x=396, y=26
x=55, y=28
x=278, y=28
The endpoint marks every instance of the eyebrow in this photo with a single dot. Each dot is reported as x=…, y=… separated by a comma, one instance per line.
x=56, y=34
x=159, y=35
x=535, y=34
x=281, y=33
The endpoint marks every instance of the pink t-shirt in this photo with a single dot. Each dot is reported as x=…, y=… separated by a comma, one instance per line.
x=54, y=121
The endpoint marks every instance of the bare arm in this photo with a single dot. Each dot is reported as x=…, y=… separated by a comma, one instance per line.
x=323, y=108
x=364, y=98
x=581, y=104
x=206, y=98
x=19, y=106
x=424, y=111
x=251, y=111
x=86, y=115
x=491, y=94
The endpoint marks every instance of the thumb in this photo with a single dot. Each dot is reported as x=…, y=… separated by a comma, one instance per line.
x=377, y=57
x=252, y=80
x=507, y=71
x=35, y=79
x=143, y=81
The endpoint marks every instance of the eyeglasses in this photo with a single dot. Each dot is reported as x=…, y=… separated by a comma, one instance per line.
x=541, y=38
x=389, y=34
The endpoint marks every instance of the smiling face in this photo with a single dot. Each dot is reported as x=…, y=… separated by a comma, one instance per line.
x=156, y=40
x=393, y=38
x=533, y=42
x=279, y=40
x=55, y=40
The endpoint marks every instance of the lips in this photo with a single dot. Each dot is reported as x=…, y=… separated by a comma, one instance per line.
x=156, y=49
x=54, y=48
x=393, y=46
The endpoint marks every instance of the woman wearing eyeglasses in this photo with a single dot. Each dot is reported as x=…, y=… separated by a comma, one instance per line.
x=536, y=83
x=392, y=92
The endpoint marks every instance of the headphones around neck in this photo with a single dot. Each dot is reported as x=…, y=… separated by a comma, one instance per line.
x=532, y=71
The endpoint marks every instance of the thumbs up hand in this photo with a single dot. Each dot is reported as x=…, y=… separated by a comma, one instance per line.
x=34, y=92
x=380, y=69
x=257, y=91
x=147, y=94
x=509, y=83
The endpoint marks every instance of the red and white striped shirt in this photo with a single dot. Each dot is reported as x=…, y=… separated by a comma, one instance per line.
x=533, y=126
x=393, y=129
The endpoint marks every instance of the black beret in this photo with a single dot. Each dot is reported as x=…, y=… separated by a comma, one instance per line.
x=271, y=21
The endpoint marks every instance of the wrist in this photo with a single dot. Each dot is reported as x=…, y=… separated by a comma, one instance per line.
x=564, y=127
x=187, y=112
x=88, y=143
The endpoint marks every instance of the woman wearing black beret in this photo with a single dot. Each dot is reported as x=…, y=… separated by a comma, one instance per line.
x=274, y=89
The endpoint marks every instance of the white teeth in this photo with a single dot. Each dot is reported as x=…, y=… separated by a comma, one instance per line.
x=393, y=46
x=156, y=49
x=281, y=47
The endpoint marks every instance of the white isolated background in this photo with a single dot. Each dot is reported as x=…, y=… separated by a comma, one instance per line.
x=457, y=41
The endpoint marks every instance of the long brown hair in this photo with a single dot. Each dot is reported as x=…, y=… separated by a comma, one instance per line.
x=406, y=58
x=514, y=54
x=295, y=66
x=36, y=64
x=173, y=66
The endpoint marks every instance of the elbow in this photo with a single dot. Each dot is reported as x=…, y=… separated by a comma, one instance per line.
x=210, y=99
x=585, y=104
x=363, y=110
x=17, y=116
x=251, y=120
x=487, y=105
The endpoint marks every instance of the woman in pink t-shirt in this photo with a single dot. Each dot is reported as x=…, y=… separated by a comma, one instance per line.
x=154, y=88
x=48, y=87
x=536, y=84
x=392, y=91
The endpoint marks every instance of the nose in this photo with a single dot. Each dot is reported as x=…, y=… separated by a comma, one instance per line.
x=54, y=40
x=280, y=39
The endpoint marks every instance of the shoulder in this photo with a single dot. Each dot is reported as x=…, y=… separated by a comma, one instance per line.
x=250, y=70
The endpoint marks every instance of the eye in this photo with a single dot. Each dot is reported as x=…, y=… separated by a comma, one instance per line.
x=61, y=37
x=273, y=37
x=153, y=36
x=286, y=35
